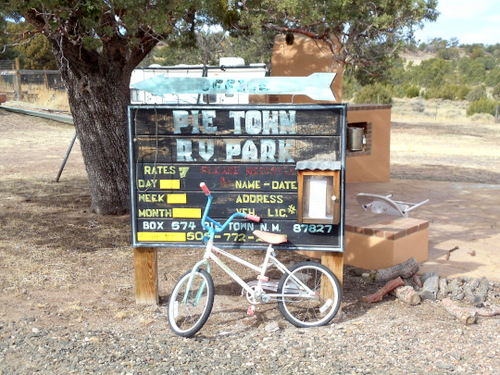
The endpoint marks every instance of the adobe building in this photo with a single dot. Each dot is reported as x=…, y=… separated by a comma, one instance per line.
x=369, y=126
x=372, y=241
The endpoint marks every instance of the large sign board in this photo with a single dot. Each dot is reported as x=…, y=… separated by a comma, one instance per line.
x=247, y=157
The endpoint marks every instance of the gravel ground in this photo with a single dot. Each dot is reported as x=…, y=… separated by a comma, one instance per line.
x=385, y=338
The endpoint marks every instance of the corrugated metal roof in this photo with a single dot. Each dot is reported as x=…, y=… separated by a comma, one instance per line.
x=322, y=165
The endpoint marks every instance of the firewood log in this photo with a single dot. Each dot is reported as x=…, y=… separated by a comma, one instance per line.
x=430, y=288
x=417, y=281
x=482, y=290
x=443, y=288
x=405, y=270
x=465, y=315
x=488, y=311
x=407, y=295
x=379, y=294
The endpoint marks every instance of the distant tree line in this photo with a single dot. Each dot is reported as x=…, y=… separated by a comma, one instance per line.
x=453, y=72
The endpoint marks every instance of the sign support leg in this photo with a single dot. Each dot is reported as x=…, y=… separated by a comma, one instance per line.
x=334, y=261
x=146, y=275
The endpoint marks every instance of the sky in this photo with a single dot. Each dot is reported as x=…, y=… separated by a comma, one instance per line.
x=471, y=21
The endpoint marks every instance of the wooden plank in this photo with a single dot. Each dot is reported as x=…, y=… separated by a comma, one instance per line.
x=146, y=275
x=259, y=149
x=335, y=262
x=189, y=233
x=220, y=177
x=232, y=122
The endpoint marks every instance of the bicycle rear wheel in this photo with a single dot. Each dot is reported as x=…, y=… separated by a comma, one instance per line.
x=187, y=317
x=309, y=310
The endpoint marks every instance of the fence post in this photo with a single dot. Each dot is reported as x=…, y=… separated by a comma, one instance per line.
x=496, y=114
x=17, y=83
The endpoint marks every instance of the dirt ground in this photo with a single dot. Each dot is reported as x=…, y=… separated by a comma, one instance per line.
x=62, y=264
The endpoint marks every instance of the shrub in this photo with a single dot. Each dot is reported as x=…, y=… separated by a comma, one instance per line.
x=376, y=93
x=483, y=105
x=496, y=91
x=477, y=93
x=485, y=118
x=412, y=92
x=462, y=92
x=418, y=105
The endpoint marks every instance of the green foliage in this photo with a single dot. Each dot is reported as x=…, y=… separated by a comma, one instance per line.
x=451, y=74
x=496, y=91
x=412, y=92
x=483, y=105
x=477, y=93
x=448, y=92
x=349, y=87
x=208, y=48
x=449, y=53
x=38, y=54
x=493, y=77
x=376, y=93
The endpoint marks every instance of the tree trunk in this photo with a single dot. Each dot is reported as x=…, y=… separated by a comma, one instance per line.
x=100, y=120
x=98, y=94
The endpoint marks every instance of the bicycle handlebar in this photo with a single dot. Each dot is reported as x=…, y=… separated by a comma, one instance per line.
x=220, y=227
x=204, y=187
x=253, y=217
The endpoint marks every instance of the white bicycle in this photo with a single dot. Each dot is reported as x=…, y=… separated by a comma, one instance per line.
x=308, y=294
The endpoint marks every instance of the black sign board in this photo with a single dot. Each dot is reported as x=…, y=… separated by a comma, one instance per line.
x=246, y=155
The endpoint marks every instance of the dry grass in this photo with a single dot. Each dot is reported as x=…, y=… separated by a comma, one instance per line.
x=435, y=111
x=39, y=96
x=47, y=98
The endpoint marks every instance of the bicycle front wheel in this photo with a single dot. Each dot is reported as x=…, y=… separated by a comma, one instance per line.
x=314, y=307
x=187, y=316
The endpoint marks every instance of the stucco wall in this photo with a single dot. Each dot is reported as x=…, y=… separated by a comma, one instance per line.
x=375, y=166
x=300, y=59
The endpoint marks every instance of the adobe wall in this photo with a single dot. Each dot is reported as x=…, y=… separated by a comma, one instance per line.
x=372, y=164
x=300, y=59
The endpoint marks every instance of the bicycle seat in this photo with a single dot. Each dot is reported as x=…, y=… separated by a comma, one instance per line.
x=272, y=238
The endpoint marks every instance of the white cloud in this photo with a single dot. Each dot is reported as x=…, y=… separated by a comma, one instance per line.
x=469, y=21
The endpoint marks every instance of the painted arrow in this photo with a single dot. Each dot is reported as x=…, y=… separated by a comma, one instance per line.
x=317, y=86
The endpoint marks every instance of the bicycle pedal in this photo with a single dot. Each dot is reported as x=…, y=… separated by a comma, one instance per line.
x=263, y=278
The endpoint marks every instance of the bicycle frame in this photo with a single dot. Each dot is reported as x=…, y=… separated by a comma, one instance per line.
x=256, y=293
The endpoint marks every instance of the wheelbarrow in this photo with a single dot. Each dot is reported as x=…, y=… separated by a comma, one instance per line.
x=381, y=204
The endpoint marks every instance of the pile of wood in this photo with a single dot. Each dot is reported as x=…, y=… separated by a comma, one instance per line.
x=464, y=298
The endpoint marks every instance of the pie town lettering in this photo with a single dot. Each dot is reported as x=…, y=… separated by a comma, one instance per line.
x=253, y=122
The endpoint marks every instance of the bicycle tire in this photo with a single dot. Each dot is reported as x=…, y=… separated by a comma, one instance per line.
x=187, y=318
x=306, y=312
